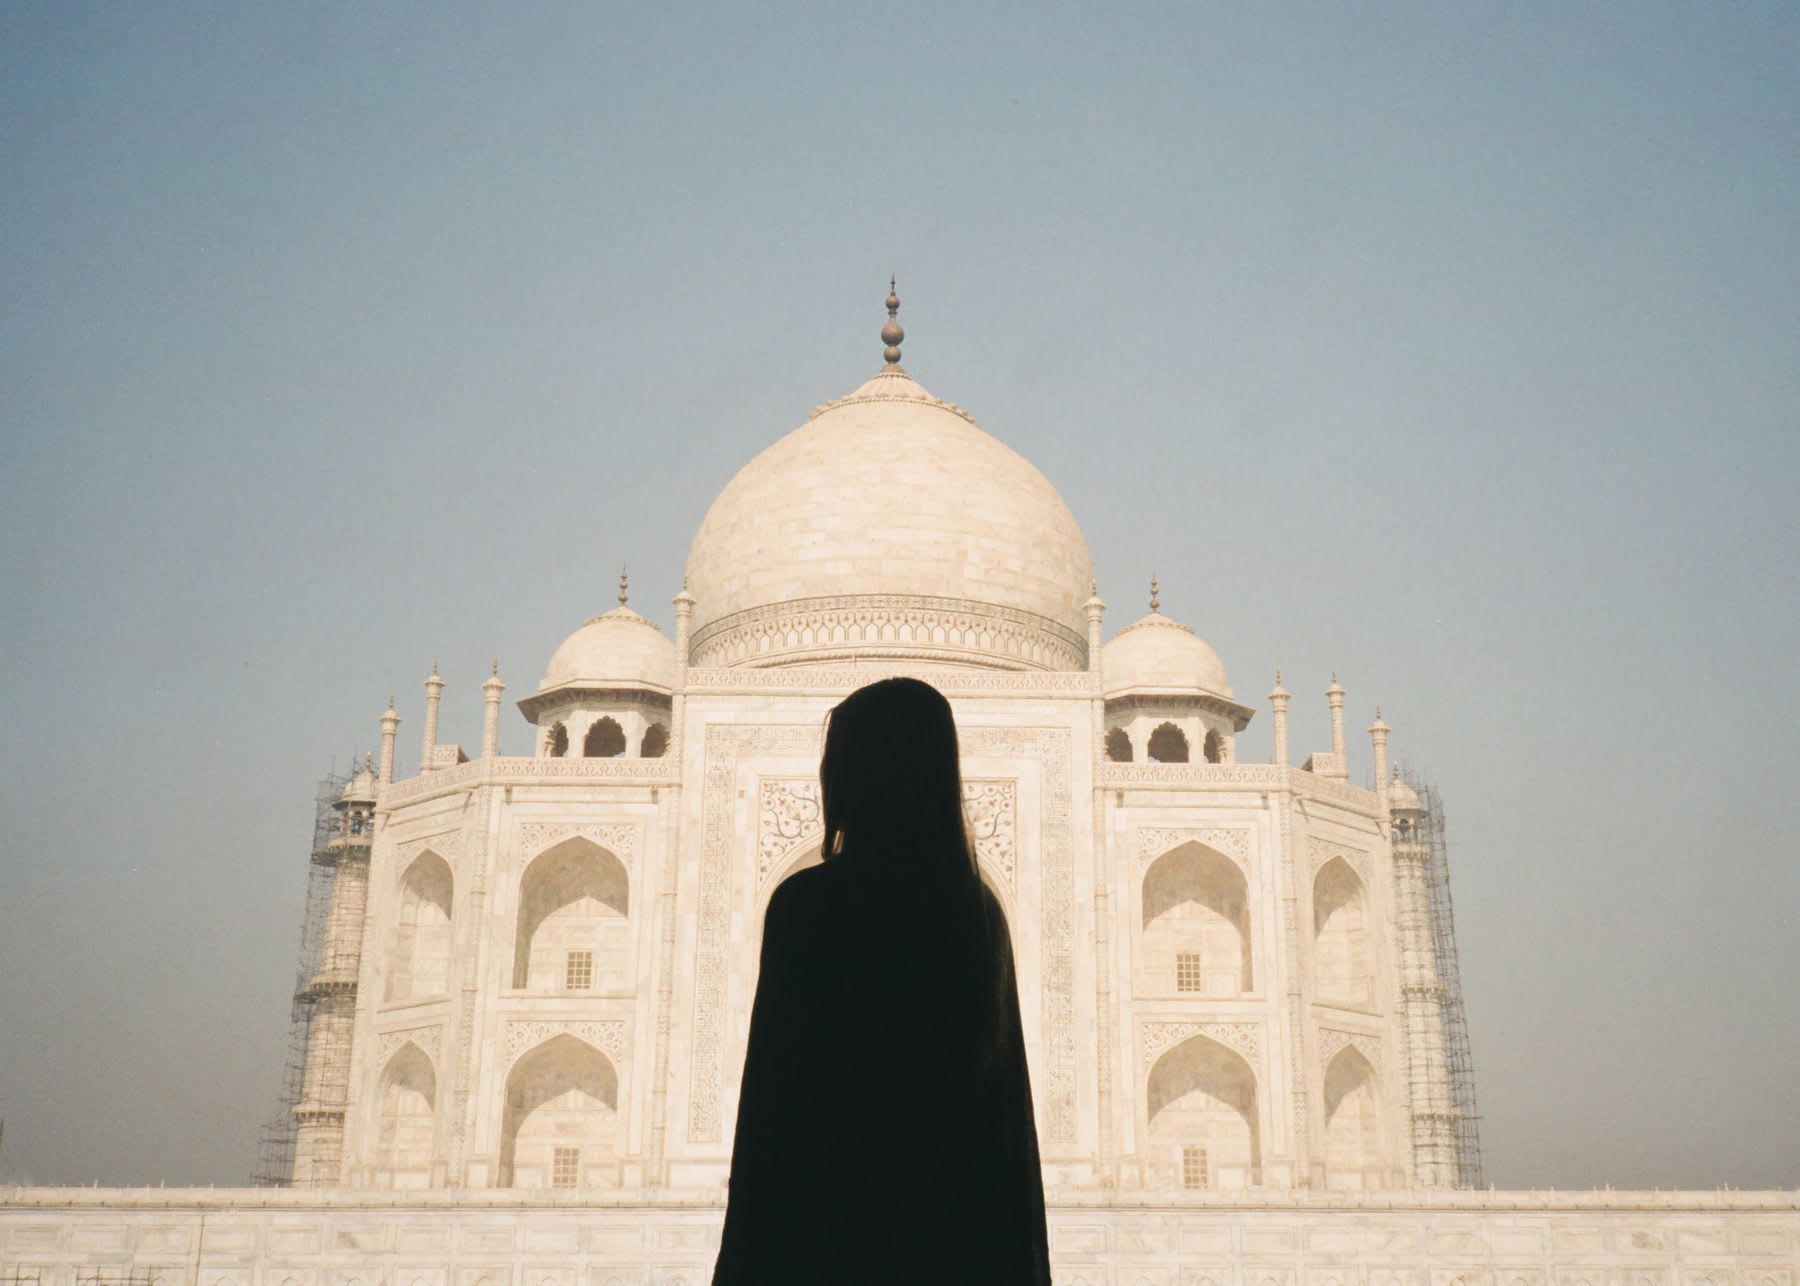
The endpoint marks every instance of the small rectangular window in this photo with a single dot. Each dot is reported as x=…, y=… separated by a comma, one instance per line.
x=565, y=1168
x=1189, y=974
x=1193, y=1167
x=578, y=973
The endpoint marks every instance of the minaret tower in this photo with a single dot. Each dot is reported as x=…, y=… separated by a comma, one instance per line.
x=319, y=1116
x=1422, y=993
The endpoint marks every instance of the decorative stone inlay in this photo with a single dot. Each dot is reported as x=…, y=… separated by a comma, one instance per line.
x=1321, y=851
x=1245, y=1038
x=1332, y=1042
x=726, y=744
x=790, y=815
x=430, y=1041
x=1051, y=748
x=520, y=1035
x=1233, y=841
x=723, y=745
x=618, y=838
x=1259, y=776
x=446, y=844
x=849, y=677
x=912, y=625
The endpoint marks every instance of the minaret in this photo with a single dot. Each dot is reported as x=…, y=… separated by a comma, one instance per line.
x=434, y=693
x=1378, y=739
x=390, y=727
x=1278, y=706
x=1422, y=993
x=490, y=721
x=1095, y=609
x=325, y=1080
x=1335, y=695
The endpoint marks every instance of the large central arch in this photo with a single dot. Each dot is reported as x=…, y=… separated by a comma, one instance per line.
x=1196, y=923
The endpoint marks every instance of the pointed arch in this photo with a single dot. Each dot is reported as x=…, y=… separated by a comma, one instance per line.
x=406, y=1125
x=656, y=741
x=557, y=744
x=1352, y=1123
x=1168, y=745
x=1202, y=1094
x=560, y=1122
x=573, y=897
x=1213, y=748
x=1343, y=950
x=1196, y=904
x=605, y=739
x=1118, y=745
x=419, y=964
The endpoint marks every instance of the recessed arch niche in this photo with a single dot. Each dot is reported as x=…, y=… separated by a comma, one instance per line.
x=406, y=1120
x=1196, y=903
x=1202, y=1094
x=419, y=964
x=574, y=896
x=560, y=1122
x=1353, y=1159
x=1343, y=953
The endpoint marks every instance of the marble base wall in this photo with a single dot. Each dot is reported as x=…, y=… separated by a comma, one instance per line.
x=272, y=1237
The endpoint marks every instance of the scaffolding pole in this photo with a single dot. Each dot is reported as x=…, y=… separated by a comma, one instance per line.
x=275, y=1150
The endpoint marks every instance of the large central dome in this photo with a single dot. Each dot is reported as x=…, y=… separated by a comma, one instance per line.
x=889, y=525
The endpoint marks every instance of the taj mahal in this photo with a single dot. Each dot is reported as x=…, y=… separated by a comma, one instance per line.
x=526, y=998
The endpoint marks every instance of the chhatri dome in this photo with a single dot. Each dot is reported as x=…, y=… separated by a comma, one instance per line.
x=890, y=525
x=1156, y=654
x=619, y=649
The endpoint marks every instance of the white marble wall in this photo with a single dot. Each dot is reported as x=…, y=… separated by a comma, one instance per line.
x=267, y=1237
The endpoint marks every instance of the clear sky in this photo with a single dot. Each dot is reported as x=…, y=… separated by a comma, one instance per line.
x=1451, y=347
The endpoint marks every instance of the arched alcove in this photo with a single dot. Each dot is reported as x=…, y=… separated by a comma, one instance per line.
x=1118, y=745
x=1196, y=923
x=406, y=1130
x=605, y=739
x=556, y=745
x=419, y=964
x=1343, y=955
x=1168, y=745
x=1201, y=1094
x=656, y=741
x=561, y=1116
x=1352, y=1123
x=573, y=898
x=1214, y=747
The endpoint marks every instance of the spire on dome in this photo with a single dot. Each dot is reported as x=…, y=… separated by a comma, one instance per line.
x=624, y=585
x=1155, y=602
x=891, y=334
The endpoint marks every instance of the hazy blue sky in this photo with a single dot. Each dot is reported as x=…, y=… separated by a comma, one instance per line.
x=1451, y=347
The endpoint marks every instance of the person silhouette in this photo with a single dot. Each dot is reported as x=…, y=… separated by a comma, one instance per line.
x=884, y=1128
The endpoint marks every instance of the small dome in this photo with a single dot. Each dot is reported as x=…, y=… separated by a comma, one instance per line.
x=620, y=648
x=360, y=789
x=1403, y=797
x=1156, y=654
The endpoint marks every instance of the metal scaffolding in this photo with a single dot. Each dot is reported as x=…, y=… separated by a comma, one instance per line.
x=275, y=1151
x=1458, y=1056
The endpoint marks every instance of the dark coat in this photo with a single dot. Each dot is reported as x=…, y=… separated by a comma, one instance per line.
x=865, y=1151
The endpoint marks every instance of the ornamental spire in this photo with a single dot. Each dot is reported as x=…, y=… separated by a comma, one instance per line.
x=624, y=585
x=1155, y=602
x=891, y=334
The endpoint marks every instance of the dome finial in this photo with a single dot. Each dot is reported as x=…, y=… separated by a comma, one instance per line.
x=1155, y=602
x=891, y=334
x=624, y=585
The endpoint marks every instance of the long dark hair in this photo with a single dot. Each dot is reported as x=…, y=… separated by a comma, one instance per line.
x=891, y=777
